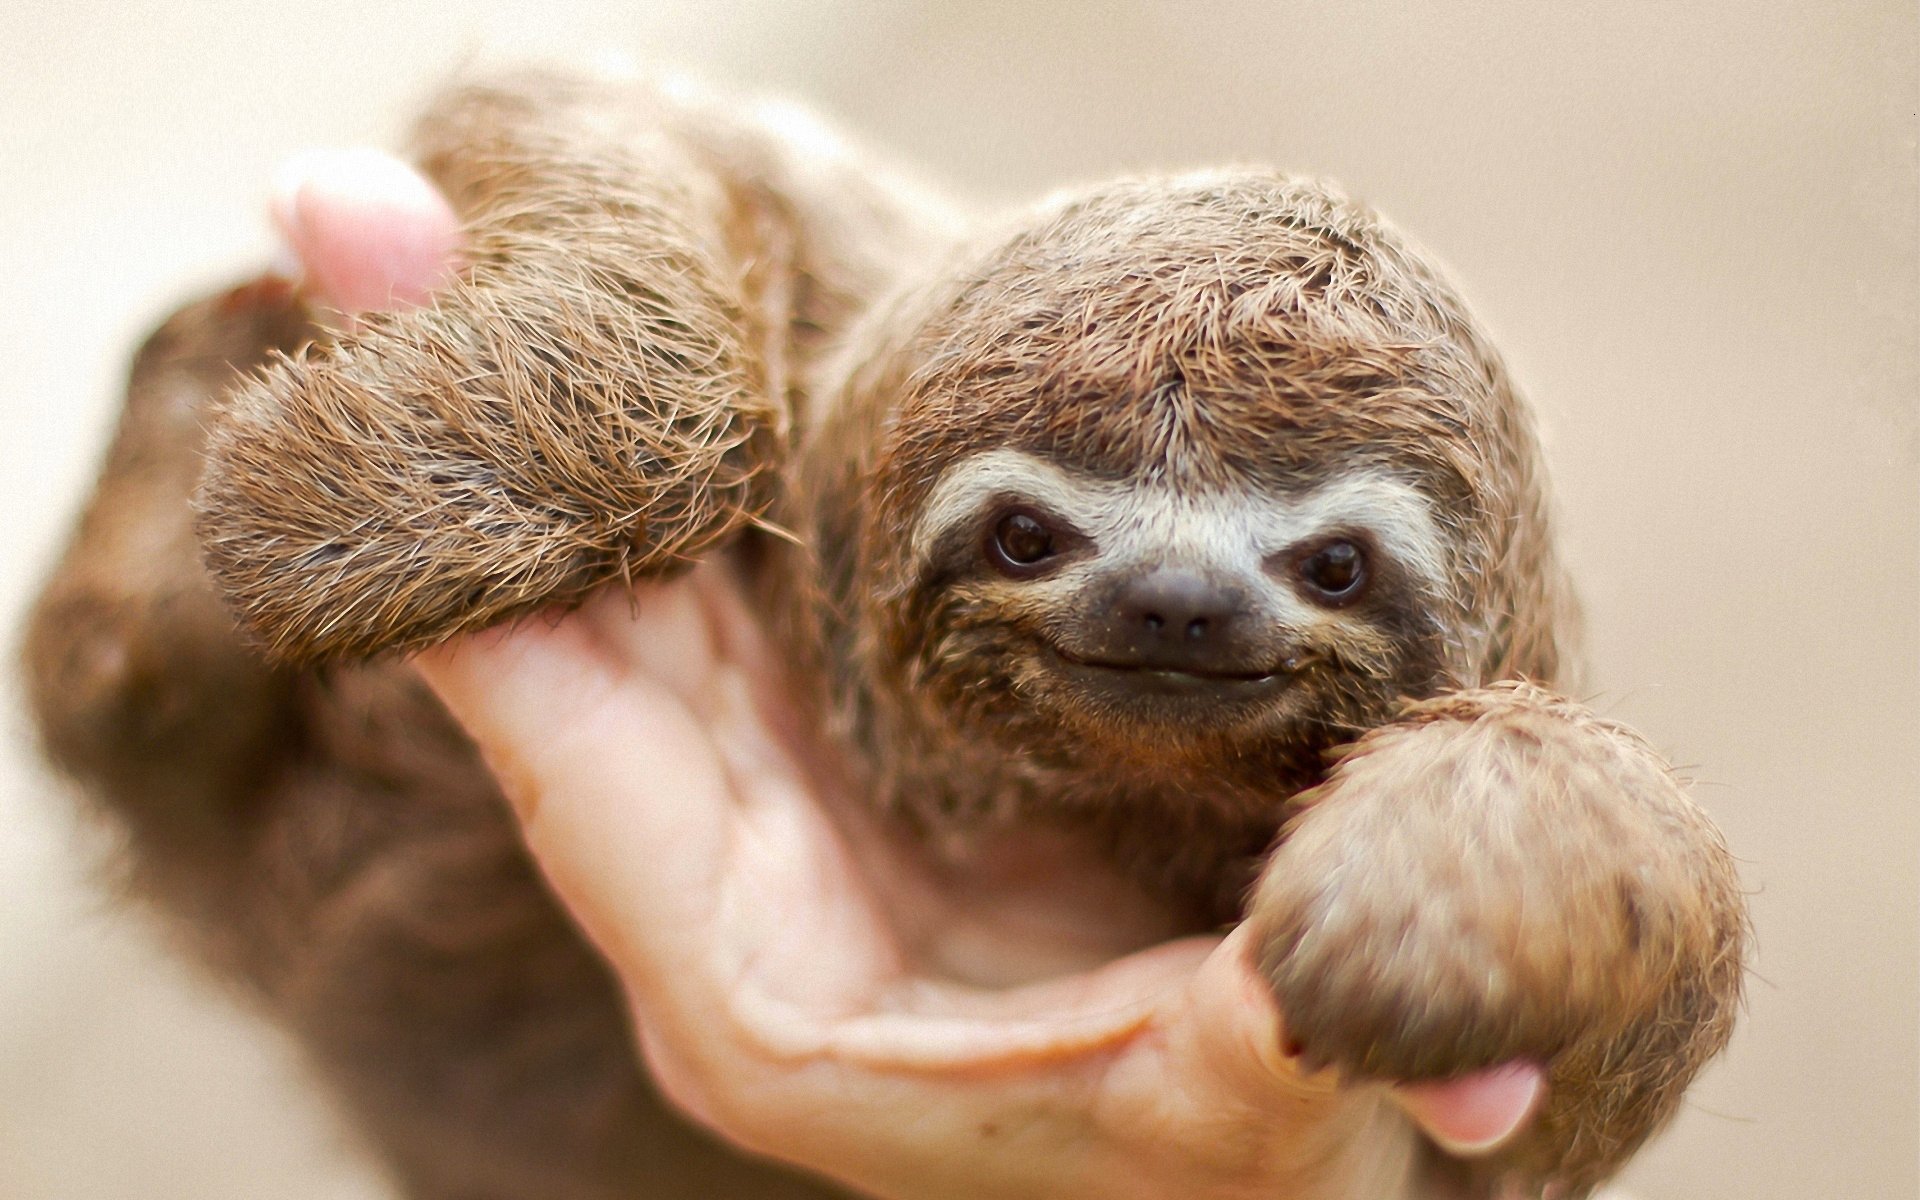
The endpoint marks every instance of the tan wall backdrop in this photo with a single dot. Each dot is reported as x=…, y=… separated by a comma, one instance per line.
x=1692, y=227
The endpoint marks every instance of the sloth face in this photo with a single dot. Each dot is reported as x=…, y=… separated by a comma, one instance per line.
x=1153, y=619
x=1203, y=474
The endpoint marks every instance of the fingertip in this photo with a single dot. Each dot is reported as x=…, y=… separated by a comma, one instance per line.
x=370, y=231
x=1243, y=1025
x=449, y=668
x=499, y=679
x=665, y=630
x=1475, y=1113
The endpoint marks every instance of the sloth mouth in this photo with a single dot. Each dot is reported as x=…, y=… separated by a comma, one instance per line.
x=1148, y=680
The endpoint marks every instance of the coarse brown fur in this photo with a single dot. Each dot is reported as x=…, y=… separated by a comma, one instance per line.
x=679, y=328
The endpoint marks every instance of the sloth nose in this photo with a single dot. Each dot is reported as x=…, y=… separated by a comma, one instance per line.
x=1176, y=619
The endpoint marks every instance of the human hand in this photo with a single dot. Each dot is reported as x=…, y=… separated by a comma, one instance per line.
x=794, y=970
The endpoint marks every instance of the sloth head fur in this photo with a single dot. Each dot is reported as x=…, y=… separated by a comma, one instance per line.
x=1180, y=473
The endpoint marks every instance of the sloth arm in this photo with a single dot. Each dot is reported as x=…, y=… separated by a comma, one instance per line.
x=605, y=390
x=1501, y=875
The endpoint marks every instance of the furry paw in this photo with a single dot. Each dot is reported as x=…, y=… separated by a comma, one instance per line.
x=582, y=403
x=1501, y=876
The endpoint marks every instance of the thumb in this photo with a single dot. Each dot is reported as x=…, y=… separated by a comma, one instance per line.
x=1477, y=1112
x=621, y=794
x=370, y=231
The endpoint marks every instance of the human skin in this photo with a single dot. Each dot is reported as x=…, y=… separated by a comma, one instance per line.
x=828, y=1038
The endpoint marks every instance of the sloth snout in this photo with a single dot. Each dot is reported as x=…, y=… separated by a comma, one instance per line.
x=1179, y=619
x=1175, y=606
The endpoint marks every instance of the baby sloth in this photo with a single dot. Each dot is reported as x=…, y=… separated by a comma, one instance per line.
x=1192, y=517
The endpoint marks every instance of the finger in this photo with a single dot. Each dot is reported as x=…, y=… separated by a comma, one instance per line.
x=371, y=232
x=1163, y=1069
x=727, y=632
x=1475, y=1113
x=1227, y=1042
x=1240, y=1046
x=617, y=784
x=664, y=811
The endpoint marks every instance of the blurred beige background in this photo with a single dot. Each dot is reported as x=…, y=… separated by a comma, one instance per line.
x=1692, y=227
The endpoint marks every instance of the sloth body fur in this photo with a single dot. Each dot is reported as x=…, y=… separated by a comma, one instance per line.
x=683, y=328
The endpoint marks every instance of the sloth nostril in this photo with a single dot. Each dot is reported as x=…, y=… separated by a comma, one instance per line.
x=1178, y=618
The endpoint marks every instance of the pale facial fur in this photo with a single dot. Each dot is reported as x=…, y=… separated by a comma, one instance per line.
x=1061, y=654
x=1156, y=520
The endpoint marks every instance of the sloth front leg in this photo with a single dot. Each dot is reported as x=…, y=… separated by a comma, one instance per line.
x=1500, y=875
x=589, y=399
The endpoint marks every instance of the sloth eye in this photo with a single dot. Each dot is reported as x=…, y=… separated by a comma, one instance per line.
x=1335, y=573
x=1019, y=544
